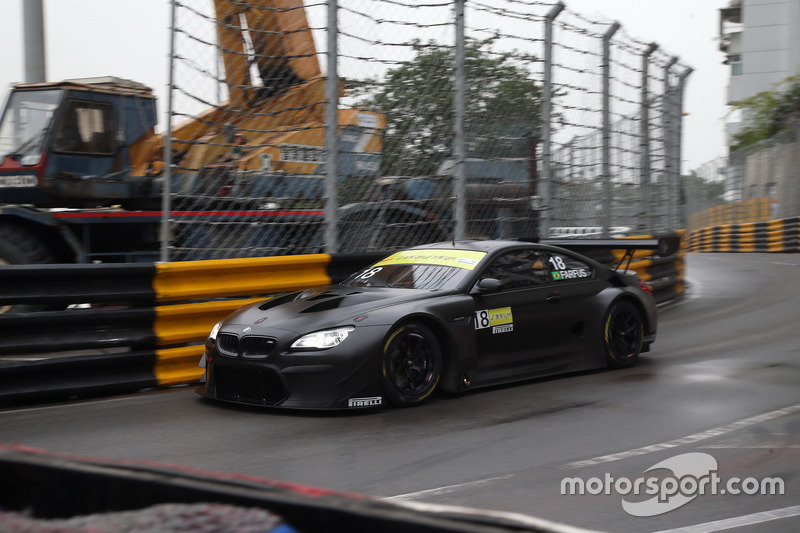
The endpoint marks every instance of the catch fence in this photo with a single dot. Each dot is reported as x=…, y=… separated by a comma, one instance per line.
x=363, y=125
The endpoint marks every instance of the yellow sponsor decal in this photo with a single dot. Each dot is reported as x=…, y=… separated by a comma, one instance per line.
x=500, y=316
x=493, y=317
x=453, y=258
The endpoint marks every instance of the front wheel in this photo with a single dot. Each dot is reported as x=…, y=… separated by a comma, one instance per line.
x=411, y=364
x=623, y=334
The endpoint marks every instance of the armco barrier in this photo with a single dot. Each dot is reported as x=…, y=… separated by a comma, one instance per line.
x=664, y=275
x=779, y=236
x=150, y=329
x=153, y=320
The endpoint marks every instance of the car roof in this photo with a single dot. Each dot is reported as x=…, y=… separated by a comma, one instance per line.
x=488, y=246
x=472, y=245
x=493, y=247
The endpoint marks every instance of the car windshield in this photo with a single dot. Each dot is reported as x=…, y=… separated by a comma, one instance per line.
x=26, y=119
x=432, y=270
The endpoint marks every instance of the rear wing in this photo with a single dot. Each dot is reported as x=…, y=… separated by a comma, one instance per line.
x=661, y=246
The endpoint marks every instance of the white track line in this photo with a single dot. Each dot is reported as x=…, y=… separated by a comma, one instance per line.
x=689, y=439
x=446, y=489
x=738, y=521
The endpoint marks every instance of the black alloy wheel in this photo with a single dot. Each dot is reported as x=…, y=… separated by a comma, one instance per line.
x=412, y=364
x=623, y=334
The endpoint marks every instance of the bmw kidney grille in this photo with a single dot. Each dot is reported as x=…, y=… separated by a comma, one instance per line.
x=256, y=346
x=227, y=344
x=250, y=347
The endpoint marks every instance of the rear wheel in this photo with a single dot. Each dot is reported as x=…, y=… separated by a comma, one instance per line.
x=411, y=364
x=623, y=334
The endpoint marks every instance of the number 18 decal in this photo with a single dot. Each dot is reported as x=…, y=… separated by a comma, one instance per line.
x=482, y=319
x=371, y=272
x=493, y=317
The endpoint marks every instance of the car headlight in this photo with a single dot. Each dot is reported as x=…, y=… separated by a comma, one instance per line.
x=321, y=340
x=213, y=335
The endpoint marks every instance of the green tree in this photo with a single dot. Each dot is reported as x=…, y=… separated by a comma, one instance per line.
x=502, y=106
x=768, y=113
x=705, y=192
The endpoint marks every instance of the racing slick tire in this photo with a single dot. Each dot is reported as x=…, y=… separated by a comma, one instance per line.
x=623, y=334
x=411, y=365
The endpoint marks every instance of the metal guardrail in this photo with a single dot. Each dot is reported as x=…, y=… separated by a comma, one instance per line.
x=665, y=275
x=144, y=325
x=152, y=320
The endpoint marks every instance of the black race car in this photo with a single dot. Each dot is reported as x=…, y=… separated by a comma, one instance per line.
x=450, y=316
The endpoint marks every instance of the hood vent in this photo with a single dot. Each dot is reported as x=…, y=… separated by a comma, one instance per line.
x=330, y=303
x=321, y=296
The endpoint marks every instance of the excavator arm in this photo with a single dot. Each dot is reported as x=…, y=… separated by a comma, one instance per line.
x=285, y=105
x=273, y=36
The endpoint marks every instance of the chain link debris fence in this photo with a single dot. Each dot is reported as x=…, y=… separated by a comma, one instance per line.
x=753, y=184
x=480, y=119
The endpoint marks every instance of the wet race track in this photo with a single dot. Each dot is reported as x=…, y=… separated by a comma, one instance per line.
x=722, y=383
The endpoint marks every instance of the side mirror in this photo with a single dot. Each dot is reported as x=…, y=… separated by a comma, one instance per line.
x=488, y=285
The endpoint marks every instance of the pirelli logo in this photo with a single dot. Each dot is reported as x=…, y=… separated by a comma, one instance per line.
x=373, y=401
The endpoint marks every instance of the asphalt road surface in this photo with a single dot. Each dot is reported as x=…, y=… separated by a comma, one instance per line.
x=717, y=401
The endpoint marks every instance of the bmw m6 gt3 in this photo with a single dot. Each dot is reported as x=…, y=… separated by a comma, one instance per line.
x=450, y=316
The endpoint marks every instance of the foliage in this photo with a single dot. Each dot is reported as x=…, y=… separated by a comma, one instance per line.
x=707, y=191
x=768, y=112
x=502, y=106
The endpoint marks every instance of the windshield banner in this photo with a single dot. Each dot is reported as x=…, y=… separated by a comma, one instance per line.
x=453, y=258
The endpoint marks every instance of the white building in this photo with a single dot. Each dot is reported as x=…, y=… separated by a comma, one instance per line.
x=761, y=43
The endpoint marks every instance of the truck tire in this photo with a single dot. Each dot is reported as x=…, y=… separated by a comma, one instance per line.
x=20, y=246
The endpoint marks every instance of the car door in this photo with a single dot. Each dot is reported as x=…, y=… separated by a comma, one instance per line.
x=574, y=283
x=515, y=331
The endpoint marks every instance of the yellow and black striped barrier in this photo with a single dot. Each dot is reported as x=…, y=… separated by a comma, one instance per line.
x=137, y=326
x=664, y=275
x=773, y=236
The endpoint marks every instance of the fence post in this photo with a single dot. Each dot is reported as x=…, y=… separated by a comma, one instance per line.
x=331, y=132
x=668, y=124
x=692, y=203
x=459, y=147
x=607, y=128
x=166, y=187
x=678, y=130
x=547, y=109
x=645, y=214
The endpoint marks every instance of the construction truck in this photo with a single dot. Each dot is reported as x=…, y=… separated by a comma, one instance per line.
x=82, y=167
